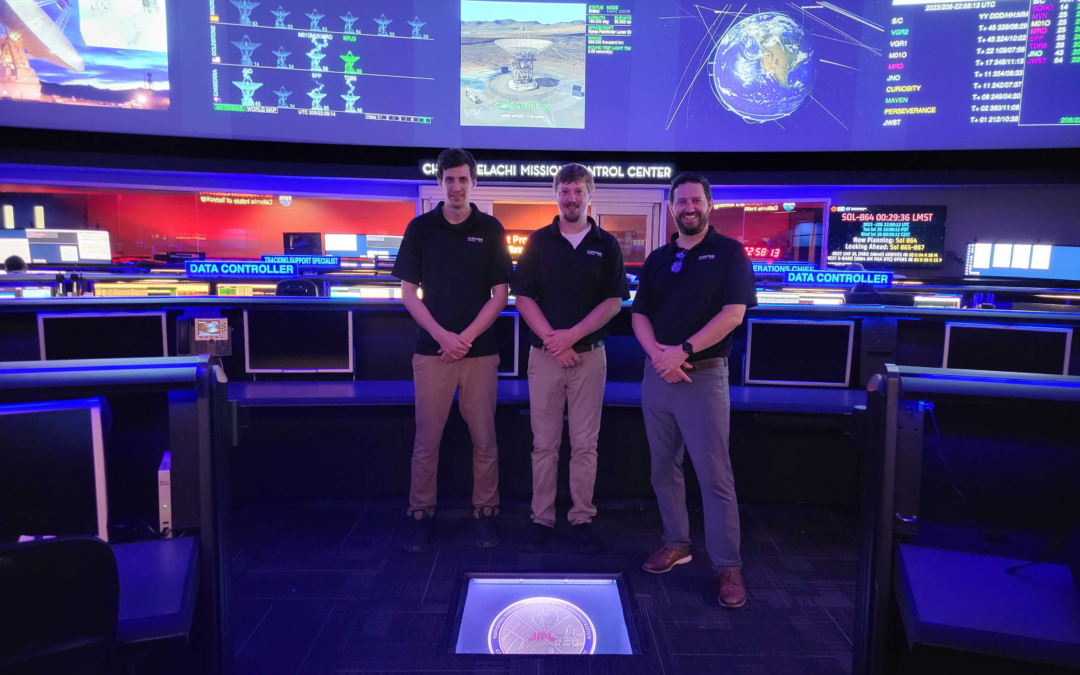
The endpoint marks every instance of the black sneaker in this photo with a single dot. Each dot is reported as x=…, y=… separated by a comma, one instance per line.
x=536, y=538
x=418, y=539
x=588, y=539
x=486, y=535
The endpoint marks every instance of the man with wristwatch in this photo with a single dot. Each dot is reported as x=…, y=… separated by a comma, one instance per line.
x=569, y=283
x=692, y=295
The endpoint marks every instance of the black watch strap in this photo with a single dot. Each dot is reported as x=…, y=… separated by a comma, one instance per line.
x=688, y=348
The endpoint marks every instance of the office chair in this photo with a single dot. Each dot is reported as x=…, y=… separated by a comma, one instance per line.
x=862, y=298
x=303, y=288
x=898, y=299
x=59, y=604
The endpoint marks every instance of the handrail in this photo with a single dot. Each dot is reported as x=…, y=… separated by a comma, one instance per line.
x=979, y=383
x=22, y=381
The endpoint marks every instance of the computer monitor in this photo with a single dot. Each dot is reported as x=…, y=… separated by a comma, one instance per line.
x=14, y=242
x=362, y=245
x=803, y=353
x=303, y=243
x=1012, y=349
x=381, y=245
x=52, y=470
x=102, y=336
x=291, y=341
x=69, y=247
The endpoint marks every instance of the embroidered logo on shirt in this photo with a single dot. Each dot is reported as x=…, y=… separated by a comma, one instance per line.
x=598, y=254
x=479, y=240
x=707, y=256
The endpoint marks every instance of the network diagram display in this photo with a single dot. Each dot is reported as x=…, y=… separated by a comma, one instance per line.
x=627, y=76
x=324, y=63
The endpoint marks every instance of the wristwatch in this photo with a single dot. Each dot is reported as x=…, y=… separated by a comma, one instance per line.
x=686, y=347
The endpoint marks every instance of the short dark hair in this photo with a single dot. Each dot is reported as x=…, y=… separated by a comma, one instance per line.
x=574, y=173
x=452, y=158
x=689, y=177
x=15, y=264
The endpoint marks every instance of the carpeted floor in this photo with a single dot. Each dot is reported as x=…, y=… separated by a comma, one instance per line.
x=327, y=588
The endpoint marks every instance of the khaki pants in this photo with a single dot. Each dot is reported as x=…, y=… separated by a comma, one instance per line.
x=551, y=388
x=476, y=382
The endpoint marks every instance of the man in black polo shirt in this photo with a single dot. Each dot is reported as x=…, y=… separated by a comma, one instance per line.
x=692, y=296
x=569, y=284
x=459, y=257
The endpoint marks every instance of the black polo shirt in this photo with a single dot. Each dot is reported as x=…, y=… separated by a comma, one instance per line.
x=568, y=283
x=714, y=273
x=456, y=266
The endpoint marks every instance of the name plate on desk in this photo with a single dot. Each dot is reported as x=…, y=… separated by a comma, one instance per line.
x=780, y=268
x=838, y=278
x=237, y=268
x=304, y=260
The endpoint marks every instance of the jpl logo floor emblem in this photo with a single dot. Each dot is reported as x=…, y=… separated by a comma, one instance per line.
x=542, y=626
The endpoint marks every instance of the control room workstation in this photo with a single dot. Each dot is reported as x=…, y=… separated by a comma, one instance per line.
x=311, y=346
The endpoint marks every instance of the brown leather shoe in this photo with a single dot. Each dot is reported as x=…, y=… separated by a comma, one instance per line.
x=664, y=559
x=732, y=593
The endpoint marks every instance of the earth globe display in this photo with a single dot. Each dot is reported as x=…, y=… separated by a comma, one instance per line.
x=763, y=67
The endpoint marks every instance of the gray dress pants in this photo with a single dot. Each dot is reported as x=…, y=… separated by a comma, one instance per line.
x=695, y=416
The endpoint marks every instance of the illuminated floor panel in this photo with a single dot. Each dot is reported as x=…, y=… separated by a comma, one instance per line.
x=543, y=615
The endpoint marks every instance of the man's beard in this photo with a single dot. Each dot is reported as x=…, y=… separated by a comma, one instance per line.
x=580, y=216
x=702, y=224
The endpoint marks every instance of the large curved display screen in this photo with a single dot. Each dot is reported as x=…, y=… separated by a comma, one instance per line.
x=636, y=75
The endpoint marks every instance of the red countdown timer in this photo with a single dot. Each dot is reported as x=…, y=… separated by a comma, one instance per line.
x=764, y=252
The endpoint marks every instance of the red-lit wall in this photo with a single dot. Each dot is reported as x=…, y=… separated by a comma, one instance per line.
x=525, y=217
x=144, y=223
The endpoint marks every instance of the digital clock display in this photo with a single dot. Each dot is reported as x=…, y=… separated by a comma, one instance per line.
x=887, y=236
x=764, y=252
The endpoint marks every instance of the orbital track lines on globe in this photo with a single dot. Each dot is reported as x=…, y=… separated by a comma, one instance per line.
x=763, y=65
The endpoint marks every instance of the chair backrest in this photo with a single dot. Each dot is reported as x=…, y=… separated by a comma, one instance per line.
x=898, y=299
x=305, y=288
x=56, y=596
x=862, y=298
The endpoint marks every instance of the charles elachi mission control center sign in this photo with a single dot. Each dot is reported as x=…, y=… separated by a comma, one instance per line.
x=544, y=172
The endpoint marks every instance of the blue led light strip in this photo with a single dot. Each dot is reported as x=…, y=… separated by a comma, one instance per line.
x=238, y=268
x=838, y=278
